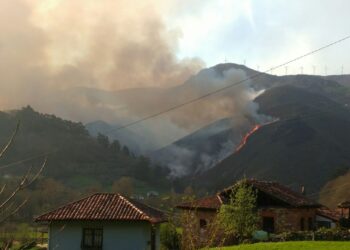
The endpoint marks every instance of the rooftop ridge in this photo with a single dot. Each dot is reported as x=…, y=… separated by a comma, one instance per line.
x=104, y=206
x=133, y=206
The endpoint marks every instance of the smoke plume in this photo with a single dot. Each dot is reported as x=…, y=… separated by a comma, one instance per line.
x=111, y=60
x=47, y=47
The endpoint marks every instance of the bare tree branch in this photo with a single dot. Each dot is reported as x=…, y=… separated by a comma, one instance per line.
x=2, y=152
x=25, y=182
x=6, y=206
x=13, y=212
x=2, y=189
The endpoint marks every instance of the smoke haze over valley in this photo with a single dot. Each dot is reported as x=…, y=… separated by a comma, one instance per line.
x=189, y=89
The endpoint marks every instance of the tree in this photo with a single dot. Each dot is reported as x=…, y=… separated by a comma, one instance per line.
x=239, y=217
x=123, y=186
x=115, y=146
x=7, y=204
x=169, y=237
x=103, y=140
x=126, y=150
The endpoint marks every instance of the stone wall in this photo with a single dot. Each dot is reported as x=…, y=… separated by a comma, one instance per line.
x=289, y=219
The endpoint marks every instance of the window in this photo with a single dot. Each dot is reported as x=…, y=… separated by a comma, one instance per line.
x=202, y=223
x=302, y=224
x=310, y=224
x=269, y=224
x=92, y=238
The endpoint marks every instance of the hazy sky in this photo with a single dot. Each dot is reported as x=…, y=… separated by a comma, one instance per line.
x=47, y=47
x=267, y=32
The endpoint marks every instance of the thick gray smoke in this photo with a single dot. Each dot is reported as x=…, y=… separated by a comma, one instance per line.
x=212, y=143
x=47, y=47
x=113, y=61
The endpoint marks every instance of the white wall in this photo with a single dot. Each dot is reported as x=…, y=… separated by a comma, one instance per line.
x=116, y=235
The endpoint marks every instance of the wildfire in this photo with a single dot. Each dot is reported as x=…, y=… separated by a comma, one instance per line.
x=246, y=137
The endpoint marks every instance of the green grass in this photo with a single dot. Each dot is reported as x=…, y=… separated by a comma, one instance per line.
x=295, y=245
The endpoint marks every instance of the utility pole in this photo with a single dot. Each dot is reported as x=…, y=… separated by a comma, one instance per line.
x=342, y=69
x=301, y=70
x=286, y=70
x=314, y=69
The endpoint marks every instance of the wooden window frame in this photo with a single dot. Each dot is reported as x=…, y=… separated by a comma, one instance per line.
x=94, y=235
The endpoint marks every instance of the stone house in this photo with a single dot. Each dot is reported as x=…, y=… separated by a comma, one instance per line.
x=103, y=222
x=280, y=209
x=327, y=218
x=344, y=209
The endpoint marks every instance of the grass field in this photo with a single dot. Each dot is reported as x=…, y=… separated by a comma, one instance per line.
x=295, y=245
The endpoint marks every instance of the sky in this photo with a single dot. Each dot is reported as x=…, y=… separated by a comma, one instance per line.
x=260, y=33
x=49, y=48
x=265, y=33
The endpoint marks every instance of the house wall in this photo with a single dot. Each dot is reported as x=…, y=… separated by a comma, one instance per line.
x=116, y=235
x=289, y=219
x=285, y=219
x=345, y=212
x=320, y=220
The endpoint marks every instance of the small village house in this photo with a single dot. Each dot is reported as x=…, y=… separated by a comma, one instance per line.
x=280, y=209
x=344, y=209
x=327, y=218
x=103, y=222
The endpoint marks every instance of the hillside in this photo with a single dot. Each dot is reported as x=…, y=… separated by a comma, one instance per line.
x=129, y=105
x=136, y=142
x=206, y=146
x=73, y=153
x=202, y=149
x=336, y=191
x=308, y=146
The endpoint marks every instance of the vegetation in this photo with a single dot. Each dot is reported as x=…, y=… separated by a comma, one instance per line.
x=303, y=245
x=78, y=164
x=169, y=236
x=336, y=190
x=239, y=216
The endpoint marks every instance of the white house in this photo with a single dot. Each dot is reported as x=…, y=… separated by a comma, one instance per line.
x=103, y=222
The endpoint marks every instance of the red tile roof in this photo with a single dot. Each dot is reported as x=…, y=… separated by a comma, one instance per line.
x=211, y=203
x=330, y=214
x=104, y=206
x=279, y=192
x=344, y=204
x=273, y=189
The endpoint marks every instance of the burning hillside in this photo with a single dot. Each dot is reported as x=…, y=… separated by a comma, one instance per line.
x=246, y=137
x=252, y=131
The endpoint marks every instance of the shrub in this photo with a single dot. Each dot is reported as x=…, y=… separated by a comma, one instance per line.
x=322, y=234
x=169, y=237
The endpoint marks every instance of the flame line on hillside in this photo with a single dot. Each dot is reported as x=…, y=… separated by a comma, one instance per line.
x=250, y=133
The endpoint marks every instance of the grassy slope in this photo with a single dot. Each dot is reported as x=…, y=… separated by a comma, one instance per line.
x=302, y=245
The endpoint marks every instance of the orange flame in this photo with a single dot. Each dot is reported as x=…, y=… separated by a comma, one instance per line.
x=246, y=137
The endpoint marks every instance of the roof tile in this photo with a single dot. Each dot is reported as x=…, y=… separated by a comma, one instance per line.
x=104, y=206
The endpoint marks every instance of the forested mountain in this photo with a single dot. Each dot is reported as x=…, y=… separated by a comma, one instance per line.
x=72, y=153
x=77, y=164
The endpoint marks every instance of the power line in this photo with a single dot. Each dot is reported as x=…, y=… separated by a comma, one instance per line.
x=228, y=86
x=26, y=160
